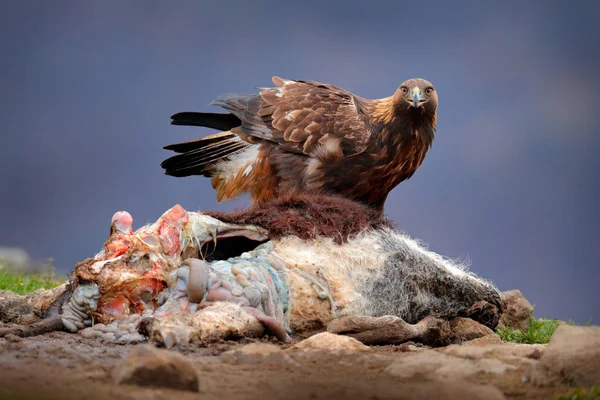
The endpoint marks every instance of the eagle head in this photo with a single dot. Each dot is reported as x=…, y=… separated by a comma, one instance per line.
x=416, y=94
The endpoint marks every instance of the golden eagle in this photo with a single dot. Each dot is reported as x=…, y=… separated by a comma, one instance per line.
x=309, y=137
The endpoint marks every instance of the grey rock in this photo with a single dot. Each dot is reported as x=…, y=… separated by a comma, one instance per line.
x=516, y=310
x=572, y=358
x=16, y=257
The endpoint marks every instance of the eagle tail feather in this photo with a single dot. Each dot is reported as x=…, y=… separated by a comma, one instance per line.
x=198, y=157
x=222, y=122
x=246, y=107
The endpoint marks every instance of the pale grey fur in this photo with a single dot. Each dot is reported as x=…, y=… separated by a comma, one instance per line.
x=416, y=282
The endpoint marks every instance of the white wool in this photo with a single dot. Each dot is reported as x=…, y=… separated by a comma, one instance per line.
x=221, y=320
x=417, y=246
x=383, y=272
x=343, y=267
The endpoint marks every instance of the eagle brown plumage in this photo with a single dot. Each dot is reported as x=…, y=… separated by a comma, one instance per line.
x=309, y=137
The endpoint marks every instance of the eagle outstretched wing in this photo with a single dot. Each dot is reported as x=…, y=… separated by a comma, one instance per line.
x=300, y=115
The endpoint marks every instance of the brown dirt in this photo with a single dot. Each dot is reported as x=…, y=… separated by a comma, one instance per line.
x=66, y=366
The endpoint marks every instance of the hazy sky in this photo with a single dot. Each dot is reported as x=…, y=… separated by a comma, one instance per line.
x=511, y=182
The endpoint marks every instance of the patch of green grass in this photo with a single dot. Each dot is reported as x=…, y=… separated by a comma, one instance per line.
x=539, y=331
x=26, y=283
x=580, y=393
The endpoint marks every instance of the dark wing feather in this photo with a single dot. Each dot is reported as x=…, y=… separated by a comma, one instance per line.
x=300, y=115
x=202, y=142
x=222, y=122
x=199, y=156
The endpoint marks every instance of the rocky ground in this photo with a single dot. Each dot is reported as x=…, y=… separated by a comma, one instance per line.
x=68, y=366
x=479, y=365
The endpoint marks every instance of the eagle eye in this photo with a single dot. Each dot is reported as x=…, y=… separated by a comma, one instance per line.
x=404, y=89
x=429, y=90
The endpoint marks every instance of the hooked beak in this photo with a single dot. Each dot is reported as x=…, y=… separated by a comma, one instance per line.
x=417, y=99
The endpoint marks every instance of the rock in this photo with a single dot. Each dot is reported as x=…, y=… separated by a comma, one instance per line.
x=512, y=353
x=516, y=310
x=431, y=364
x=330, y=341
x=149, y=366
x=16, y=259
x=257, y=353
x=484, y=340
x=572, y=358
x=465, y=329
x=455, y=389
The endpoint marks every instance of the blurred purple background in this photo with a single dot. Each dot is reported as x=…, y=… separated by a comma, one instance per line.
x=511, y=183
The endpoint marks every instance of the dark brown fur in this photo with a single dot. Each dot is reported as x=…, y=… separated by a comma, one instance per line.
x=308, y=216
